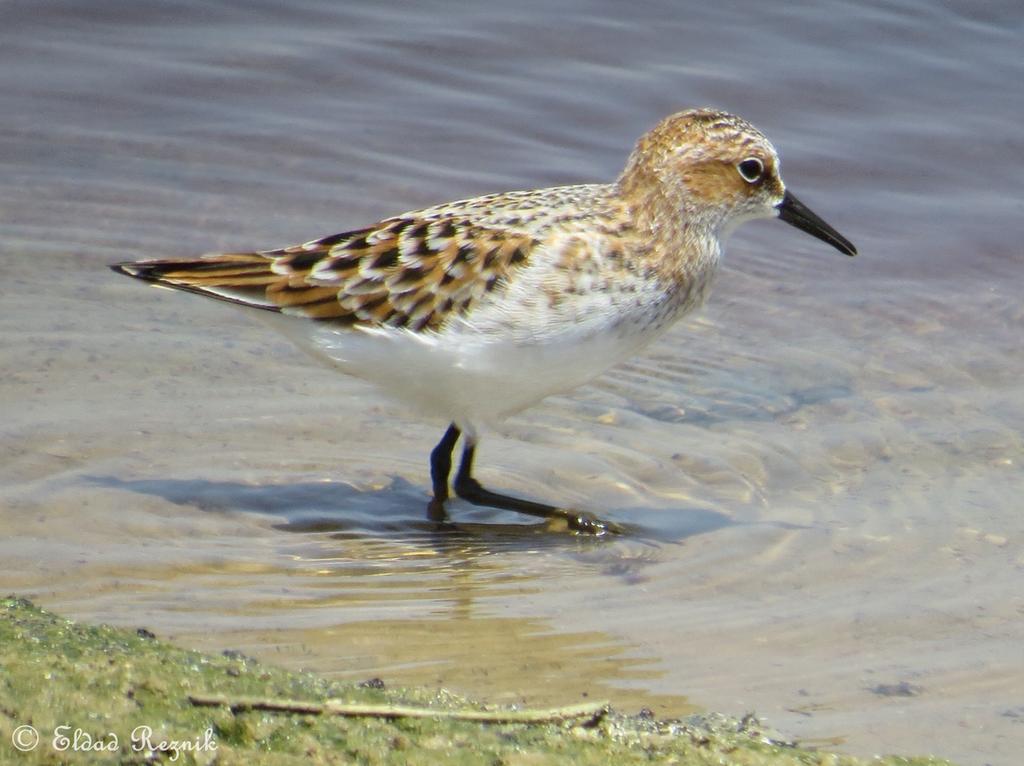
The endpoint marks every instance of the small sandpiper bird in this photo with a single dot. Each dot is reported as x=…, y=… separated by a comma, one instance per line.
x=474, y=310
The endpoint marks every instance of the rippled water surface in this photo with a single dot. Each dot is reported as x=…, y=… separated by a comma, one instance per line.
x=822, y=469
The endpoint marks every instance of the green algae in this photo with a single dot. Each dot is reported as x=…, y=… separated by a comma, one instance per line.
x=107, y=695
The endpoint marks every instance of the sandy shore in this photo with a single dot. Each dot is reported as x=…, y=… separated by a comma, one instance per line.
x=73, y=693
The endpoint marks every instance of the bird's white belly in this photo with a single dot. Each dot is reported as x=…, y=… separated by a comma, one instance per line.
x=460, y=375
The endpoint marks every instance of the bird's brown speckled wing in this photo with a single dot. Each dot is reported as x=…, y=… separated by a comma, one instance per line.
x=409, y=272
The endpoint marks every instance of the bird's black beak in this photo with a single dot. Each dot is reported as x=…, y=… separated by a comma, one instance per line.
x=794, y=212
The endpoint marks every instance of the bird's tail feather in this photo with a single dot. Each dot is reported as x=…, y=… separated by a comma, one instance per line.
x=240, y=278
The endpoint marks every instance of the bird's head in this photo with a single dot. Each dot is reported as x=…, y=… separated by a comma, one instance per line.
x=717, y=171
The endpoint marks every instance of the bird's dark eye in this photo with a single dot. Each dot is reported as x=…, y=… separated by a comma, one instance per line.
x=751, y=169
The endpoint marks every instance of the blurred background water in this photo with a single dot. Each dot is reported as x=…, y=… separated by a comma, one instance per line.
x=824, y=464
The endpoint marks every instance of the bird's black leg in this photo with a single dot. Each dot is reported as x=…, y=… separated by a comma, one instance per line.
x=470, y=489
x=440, y=469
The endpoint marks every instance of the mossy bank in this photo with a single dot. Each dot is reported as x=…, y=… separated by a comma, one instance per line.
x=72, y=693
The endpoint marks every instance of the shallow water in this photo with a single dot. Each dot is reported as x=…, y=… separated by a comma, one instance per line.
x=822, y=469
